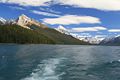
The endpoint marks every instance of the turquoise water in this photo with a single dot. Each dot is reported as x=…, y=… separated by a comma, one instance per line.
x=59, y=62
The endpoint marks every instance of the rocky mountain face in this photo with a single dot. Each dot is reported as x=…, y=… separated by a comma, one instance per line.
x=27, y=22
x=23, y=21
x=111, y=41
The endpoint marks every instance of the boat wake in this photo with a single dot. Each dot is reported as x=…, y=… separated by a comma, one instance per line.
x=46, y=70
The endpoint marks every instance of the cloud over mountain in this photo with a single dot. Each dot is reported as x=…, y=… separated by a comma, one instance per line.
x=87, y=29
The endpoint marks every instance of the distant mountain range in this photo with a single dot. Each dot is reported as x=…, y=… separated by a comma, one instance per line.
x=25, y=30
x=91, y=40
x=111, y=41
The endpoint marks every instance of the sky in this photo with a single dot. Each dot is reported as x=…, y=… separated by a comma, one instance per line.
x=96, y=18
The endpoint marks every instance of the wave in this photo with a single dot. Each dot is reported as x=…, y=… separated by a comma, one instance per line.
x=115, y=61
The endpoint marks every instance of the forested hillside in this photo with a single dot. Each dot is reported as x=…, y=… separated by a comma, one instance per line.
x=18, y=34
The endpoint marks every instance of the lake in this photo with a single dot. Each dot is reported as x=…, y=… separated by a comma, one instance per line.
x=59, y=62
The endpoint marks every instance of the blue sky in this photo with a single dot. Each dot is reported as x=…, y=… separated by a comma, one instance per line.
x=83, y=17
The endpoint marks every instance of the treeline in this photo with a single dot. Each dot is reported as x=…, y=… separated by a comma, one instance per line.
x=18, y=34
x=60, y=38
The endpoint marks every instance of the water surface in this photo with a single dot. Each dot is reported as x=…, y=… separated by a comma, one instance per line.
x=59, y=62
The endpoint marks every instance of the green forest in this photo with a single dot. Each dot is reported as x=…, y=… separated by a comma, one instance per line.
x=20, y=35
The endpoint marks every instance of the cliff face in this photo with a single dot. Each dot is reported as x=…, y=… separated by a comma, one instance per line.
x=26, y=22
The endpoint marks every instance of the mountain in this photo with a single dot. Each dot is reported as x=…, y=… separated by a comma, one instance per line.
x=63, y=30
x=111, y=41
x=26, y=30
x=28, y=23
x=92, y=40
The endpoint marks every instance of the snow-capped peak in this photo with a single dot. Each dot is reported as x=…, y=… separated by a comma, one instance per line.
x=63, y=30
x=25, y=17
x=3, y=20
x=117, y=36
x=26, y=22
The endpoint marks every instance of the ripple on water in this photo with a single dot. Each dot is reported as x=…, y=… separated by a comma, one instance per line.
x=107, y=71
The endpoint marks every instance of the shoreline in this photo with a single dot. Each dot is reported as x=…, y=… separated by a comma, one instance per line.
x=54, y=44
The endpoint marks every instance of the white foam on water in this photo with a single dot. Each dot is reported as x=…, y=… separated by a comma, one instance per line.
x=119, y=60
x=46, y=71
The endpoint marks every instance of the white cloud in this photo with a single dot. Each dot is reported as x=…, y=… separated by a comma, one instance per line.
x=114, y=30
x=100, y=28
x=15, y=7
x=100, y=36
x=87, y=29
x=49, y=10
x=83, y=29
x=27, y=2
x=85, y=35
x=71, y=19
x=45, y=13
x=109, y=5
